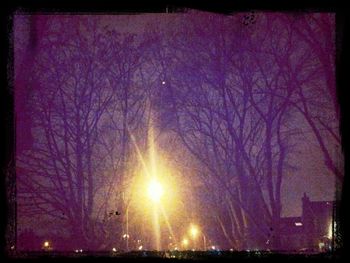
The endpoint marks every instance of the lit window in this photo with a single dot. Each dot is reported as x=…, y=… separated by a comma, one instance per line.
x=330, y=230
x=321, y=245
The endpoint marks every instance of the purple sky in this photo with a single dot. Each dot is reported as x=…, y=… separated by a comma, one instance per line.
x=311, y=174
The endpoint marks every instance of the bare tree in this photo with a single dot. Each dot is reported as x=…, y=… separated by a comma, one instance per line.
x=319, y=104
x=233, y=95
x=82, y=110
x=232, y=91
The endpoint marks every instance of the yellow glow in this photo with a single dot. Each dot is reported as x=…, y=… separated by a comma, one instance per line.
x=155, y=190
x=194, y=231
x=154, y=193
x=46, y=244
x=185, y=242
x=155, y=199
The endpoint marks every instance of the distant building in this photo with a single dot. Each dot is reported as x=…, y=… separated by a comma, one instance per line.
x=292, y=233
x=313, y=231
x=318, y=222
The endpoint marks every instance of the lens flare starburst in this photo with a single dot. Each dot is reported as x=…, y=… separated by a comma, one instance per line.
x=155, y=190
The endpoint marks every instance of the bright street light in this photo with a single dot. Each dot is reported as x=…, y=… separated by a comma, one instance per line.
x=47, y=245
x=194, y=231
x=185, y=242
x=155, y=190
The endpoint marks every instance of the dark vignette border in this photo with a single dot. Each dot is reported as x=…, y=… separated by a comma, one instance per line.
x=8, y=182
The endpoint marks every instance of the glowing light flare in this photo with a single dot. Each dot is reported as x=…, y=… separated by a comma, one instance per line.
x=155, y=182
x=46, y=245
x=185, y=242
x=161, y=192
x=155, y=191
x=194, y=231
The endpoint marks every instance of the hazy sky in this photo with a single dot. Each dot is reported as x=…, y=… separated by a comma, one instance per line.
x=310, y=176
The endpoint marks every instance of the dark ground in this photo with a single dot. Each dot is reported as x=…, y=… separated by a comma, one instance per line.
x=167, y=256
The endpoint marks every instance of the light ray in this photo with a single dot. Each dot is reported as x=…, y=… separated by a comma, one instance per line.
x=144, y=166
x=168, y=223
x=156, y=228
x=152, y=154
